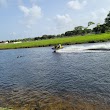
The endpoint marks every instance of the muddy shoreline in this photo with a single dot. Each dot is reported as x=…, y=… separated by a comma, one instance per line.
x=43, y=100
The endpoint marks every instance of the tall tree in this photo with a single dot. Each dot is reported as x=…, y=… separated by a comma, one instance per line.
x=107, y=19
x=90, y=23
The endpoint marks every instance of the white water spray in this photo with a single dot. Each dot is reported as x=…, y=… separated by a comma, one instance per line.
x=92, y=47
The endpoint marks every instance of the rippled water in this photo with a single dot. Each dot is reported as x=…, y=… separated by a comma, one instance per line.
x=39, y=69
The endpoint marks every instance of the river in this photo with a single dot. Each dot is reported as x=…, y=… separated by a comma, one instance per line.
x=76, y=74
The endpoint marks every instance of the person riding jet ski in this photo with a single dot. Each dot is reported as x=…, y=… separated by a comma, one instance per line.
x=57, y=47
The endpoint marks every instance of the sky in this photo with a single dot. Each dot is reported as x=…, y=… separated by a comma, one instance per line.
x=32, y=18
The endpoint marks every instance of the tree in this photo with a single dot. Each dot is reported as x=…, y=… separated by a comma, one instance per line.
x=90, y=23
x=68, y=33
x=107, y=19
x=107, y=22
x=86, y=30
x=79, y=28
x=103, y=28
x=97, y=29
x=100, y=28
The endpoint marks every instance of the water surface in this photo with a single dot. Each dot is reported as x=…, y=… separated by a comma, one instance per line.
x=84, y=74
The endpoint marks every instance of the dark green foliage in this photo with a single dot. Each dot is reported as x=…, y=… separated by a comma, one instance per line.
x=107, y=19
x=69, y=33
x=100, y=29
x=79, y=28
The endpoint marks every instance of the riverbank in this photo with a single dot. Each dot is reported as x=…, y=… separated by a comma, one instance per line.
x=4, y=108
x=42, y=100
x=64, y=41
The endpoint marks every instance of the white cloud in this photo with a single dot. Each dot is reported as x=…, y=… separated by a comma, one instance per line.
x=25, y=10
x=31, y=15
x=3, y=3
x=63, y=22
x=76, y=4
x=98, y=16
x=63, y=19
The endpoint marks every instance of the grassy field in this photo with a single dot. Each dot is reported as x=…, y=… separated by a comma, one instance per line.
x=63, y=41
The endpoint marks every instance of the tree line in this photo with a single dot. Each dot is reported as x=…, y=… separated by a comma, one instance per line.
x=79, y=30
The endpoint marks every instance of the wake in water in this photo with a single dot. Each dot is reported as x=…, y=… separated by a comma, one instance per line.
x=93, y=47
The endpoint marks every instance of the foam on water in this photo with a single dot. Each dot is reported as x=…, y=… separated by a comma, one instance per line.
x=93, y=47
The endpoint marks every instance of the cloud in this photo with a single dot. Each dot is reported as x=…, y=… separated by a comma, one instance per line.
x=25, y=10
x=76, y=4
x=13, y=33
x=31, y=15
x=63, y=19
x=3, y=3
x=63, y=22
x=98, y=16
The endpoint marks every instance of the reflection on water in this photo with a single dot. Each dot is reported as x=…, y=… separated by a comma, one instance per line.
x=42, y=80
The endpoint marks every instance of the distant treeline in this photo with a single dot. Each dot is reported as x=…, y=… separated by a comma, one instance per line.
x=79, y=30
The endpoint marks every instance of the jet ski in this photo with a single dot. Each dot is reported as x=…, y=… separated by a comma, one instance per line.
x=57, y=47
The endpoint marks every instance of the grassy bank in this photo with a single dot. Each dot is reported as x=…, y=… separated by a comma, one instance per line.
x=4, y=108
x=63, y=41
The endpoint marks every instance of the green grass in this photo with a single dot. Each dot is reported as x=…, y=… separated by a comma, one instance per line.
x=4, y=108
x=63, y=41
